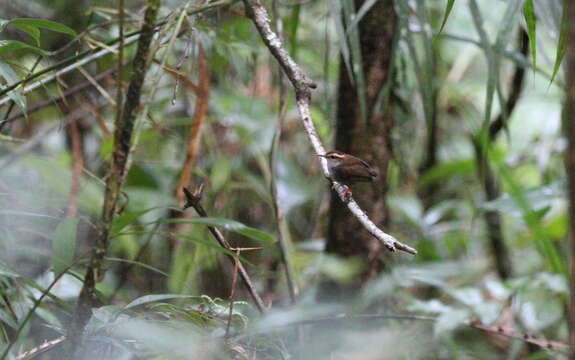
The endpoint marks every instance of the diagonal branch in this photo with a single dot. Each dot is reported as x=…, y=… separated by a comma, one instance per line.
x=193, y=200
x=302, y=86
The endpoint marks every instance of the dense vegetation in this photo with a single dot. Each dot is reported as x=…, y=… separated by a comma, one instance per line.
x=161, y=197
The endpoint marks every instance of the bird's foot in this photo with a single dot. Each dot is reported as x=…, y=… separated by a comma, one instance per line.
x=344, y=192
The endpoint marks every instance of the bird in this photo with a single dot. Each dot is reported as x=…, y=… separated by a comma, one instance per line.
x=348, y=169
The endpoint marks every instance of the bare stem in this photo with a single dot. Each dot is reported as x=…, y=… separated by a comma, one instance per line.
x=193, y=200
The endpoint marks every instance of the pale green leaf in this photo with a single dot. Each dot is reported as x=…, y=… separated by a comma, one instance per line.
x=64, y=244
x=448, y=9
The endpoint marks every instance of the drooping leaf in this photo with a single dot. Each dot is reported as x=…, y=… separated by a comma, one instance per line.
x=335, y=13
x=7, y=272
x=446, y=170
x=229, y=225
x=64, y=244
x=367, y=5
x=11, y=77
x=448, y=9
x=30, y=30
x=43, y=24
x=126, y=219
x=8, y=46
x=138, y=263
x=529, y=14
x=352, y=36
x=560, y=44
x=154, y=298
x=220, y=173
x=293, y=28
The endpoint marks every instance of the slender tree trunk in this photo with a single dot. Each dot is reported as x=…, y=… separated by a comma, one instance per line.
x=117, y=173
x=569, y=132
x=369, y=140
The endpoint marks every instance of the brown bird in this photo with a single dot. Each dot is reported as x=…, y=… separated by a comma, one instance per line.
x=348, y=169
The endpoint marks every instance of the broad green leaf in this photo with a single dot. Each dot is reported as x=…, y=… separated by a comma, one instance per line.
x=229, y=225
x=154, y=298
x=8, y=46
x=533, y=221
x=448, y=9
x=529, y=14
x=11, y=77
x=126, y=219
x=138, y=263
x=43, y=24
x=30, y=30
x=446, y=170
x=220, y=173
x=293, y=28
x=64, y=244
x=561, y=43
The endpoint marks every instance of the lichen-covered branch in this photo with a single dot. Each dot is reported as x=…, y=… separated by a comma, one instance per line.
x=118, y=169
x=302, y=85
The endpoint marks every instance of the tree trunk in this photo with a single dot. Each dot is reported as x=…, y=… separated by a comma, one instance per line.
x=569, y=132
x=368, y=139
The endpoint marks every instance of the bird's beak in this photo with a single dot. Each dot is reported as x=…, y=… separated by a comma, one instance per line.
x=320, y=155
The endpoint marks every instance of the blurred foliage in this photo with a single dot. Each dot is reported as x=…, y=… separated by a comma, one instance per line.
x=166, y=294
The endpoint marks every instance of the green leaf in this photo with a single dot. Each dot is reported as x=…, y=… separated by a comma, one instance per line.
x=30, y=30
x=529, y=14
x=335, y=13
x=448, y=8
x=11, y=77
x=561, y=44
x=367, y=5
x=64, y=244
x=358, y=75
x=292, y=30
x=154, y=298
x=126, y=219
x=43, y=24
x=220, y=173
x=7, y=272
x=229, y=225
x=8, y=46
x=7, y=319
x=446, y=170
x=138, y=263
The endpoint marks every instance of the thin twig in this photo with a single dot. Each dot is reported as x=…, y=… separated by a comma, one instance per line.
x=40, y=349
x=194, y=10
x=58, y=99
x=77, y=166
x=283, y=230
x=119, y=85
x=202, y=92
x=232, y=292
x=67, y=69
x=193, y=200
x=302, y=87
